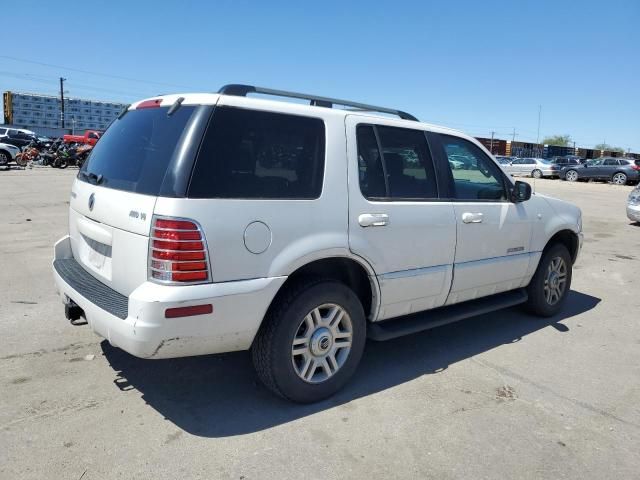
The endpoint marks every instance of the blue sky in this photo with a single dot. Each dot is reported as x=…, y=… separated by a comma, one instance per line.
x=479, y=66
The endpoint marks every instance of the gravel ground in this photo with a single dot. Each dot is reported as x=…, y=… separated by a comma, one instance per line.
x=503, y=395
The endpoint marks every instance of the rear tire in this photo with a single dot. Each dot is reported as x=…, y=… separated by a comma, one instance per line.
x=571, y=176
x=551, y=283
x=20, y=160
x=301, y=351
x=619, y=179
x=536, y=173
x=5, y=158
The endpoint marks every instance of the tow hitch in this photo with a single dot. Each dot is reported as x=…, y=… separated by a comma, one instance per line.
x=72, y=311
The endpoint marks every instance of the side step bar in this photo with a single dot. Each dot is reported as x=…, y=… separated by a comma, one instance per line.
x=417, y=322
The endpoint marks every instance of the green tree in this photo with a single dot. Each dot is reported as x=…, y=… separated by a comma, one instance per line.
x=559, y=140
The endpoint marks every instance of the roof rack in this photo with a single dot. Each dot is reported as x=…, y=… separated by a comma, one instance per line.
x=243, y=90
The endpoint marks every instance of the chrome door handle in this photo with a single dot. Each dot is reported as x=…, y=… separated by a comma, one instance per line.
x=469, y=217
x=373, y=219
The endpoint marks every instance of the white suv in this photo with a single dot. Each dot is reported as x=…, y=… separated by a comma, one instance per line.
x=208, y=223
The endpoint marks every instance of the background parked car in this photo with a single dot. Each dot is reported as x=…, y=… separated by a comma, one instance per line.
x=619, y=171
x=19, y=138
x=633, y=205
x=530, y=167
x=503, y=160
x=558, y=163
x=8, y=153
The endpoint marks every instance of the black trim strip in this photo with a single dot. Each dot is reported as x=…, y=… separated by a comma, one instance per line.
x=91, y=288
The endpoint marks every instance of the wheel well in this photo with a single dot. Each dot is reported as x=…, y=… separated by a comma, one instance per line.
x=567, y=238
x=341, y=269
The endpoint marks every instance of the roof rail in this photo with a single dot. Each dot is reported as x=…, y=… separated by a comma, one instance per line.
x=243, y=90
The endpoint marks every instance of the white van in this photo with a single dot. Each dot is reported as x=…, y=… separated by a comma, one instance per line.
x=208, y=223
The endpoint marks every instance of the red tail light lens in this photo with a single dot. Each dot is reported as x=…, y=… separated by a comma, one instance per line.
x=178, y=252
x=177, y=245
x=635, y=167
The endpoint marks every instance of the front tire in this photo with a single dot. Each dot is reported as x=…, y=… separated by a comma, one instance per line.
x=550, y=284
x=311, y=341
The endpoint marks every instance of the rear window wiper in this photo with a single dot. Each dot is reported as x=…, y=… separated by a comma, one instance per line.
x=97, y=179
x=123, y=112
x=176, y=105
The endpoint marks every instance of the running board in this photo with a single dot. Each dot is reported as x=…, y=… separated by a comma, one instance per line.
x=417, y=322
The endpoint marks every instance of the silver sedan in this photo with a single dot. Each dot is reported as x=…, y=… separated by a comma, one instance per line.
x=530, y=167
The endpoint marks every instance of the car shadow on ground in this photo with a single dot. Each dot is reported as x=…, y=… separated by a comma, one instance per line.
x=220, y=395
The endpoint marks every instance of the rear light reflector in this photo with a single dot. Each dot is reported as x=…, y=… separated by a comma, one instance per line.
x=188, y=311
x=177, y=252
x=189, y=276
x=155, y=103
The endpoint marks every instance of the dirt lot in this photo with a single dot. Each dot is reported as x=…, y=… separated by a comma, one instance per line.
x=498, y=396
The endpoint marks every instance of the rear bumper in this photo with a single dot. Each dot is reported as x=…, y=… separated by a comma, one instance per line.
x=633, y=213
x=142, y=329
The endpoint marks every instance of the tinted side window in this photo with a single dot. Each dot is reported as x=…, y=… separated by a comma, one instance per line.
x=610, y=161
x=482, y=179
x=370, y=171
x=403, y=170
x=408, y=165
x=253, y=154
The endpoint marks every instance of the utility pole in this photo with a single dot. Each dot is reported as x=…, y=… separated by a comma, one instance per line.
x=539, y=113
x=513, y=137
x=491, y=145
x=62, y=101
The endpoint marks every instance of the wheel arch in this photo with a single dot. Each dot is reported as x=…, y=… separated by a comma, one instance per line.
x=568, y=238
x=354, y=273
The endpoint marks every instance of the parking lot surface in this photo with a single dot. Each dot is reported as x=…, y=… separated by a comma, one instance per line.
x=503, y=395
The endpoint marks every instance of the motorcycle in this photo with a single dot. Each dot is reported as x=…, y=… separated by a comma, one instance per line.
x=28, y=154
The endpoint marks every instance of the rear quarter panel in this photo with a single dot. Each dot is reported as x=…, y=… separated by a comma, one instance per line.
x=300, y=230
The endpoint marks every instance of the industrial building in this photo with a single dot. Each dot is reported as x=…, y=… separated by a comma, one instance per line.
x=43, y=113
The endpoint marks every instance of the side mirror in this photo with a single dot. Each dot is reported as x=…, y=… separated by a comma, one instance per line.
x=521, y=192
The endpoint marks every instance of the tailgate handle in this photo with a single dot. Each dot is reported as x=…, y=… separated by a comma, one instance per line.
x=94, y=232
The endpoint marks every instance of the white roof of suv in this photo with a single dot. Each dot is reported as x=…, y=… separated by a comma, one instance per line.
x=241, y=92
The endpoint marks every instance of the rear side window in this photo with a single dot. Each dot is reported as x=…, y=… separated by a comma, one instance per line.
x=136, y=150
x=254, y=154
x=403, y=170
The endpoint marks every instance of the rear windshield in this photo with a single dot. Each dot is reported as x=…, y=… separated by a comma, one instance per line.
x=254, y=154
x=135, y=151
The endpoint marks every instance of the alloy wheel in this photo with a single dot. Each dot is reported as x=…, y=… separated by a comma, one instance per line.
x=555, y=281
x=572, y=175
x=536, y=174
x=322, y=343
x=619, y=179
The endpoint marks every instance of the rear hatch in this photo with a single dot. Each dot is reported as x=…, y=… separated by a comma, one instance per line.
x=145, y=153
